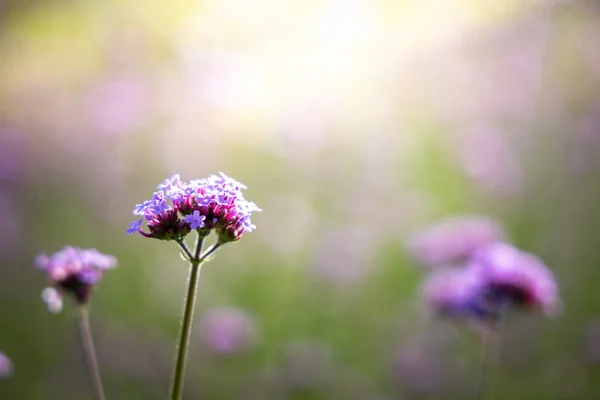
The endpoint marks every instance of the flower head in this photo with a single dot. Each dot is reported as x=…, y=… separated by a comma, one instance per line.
x=454, y=240
x=511, y=276
x=6, y=366
x=216, y=202
x=456, y=293
x=72, y=270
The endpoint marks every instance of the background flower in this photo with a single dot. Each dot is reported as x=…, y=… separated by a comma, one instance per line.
x=227, y=330
x=6, y=366
x=74, y=271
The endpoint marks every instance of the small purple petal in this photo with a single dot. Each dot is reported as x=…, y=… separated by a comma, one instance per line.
x=175, y=180
x=134, y=227
x=90, y=276
x=140, y=209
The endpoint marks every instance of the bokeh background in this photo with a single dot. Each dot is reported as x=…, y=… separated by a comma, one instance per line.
x=354, y=124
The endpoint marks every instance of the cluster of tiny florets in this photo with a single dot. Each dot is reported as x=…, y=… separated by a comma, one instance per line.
x=512, y=277
x=491, y=276
x=72, y=270
x=178, y=207
x=496, y=277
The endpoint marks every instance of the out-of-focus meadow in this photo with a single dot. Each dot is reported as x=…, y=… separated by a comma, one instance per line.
x=354, y=123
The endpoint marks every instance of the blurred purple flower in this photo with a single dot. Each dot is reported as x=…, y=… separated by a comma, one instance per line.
x=227, y=330
x=454, y=240
x=117, y=105
x=72, y=270
x=216, y=202
x=342, y=255
x=456, y=292
x=6, y=366
x=511, y=276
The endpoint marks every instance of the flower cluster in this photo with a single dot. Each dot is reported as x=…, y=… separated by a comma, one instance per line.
x=227, y=330
x=216, y=202
x=454, y=292
x=513, y=277
x=479, y=275
x=72, y=270
x=495, y=277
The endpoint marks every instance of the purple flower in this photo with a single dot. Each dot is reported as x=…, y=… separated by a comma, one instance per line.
x=195, y=220
x=6, y=366
x=511, y=276
x=72, y=270
x=456, y=292
x=227, y=330
x=216, y=202
x=134, y=227
x=454, y=240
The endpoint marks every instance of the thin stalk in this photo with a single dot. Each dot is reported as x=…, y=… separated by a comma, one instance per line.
x=491, y=349
x=186, y=322
x=185, y=249
x=500, y=330
x=213, y=248
x=483, y=364
x=87, y=344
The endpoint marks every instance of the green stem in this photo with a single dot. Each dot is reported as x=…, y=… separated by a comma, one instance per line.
x=500, y=331
x=492, y=351
x=213, y=248
x=87, y=344
x=186, y=323
x=185, y=249
x=481, y=382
